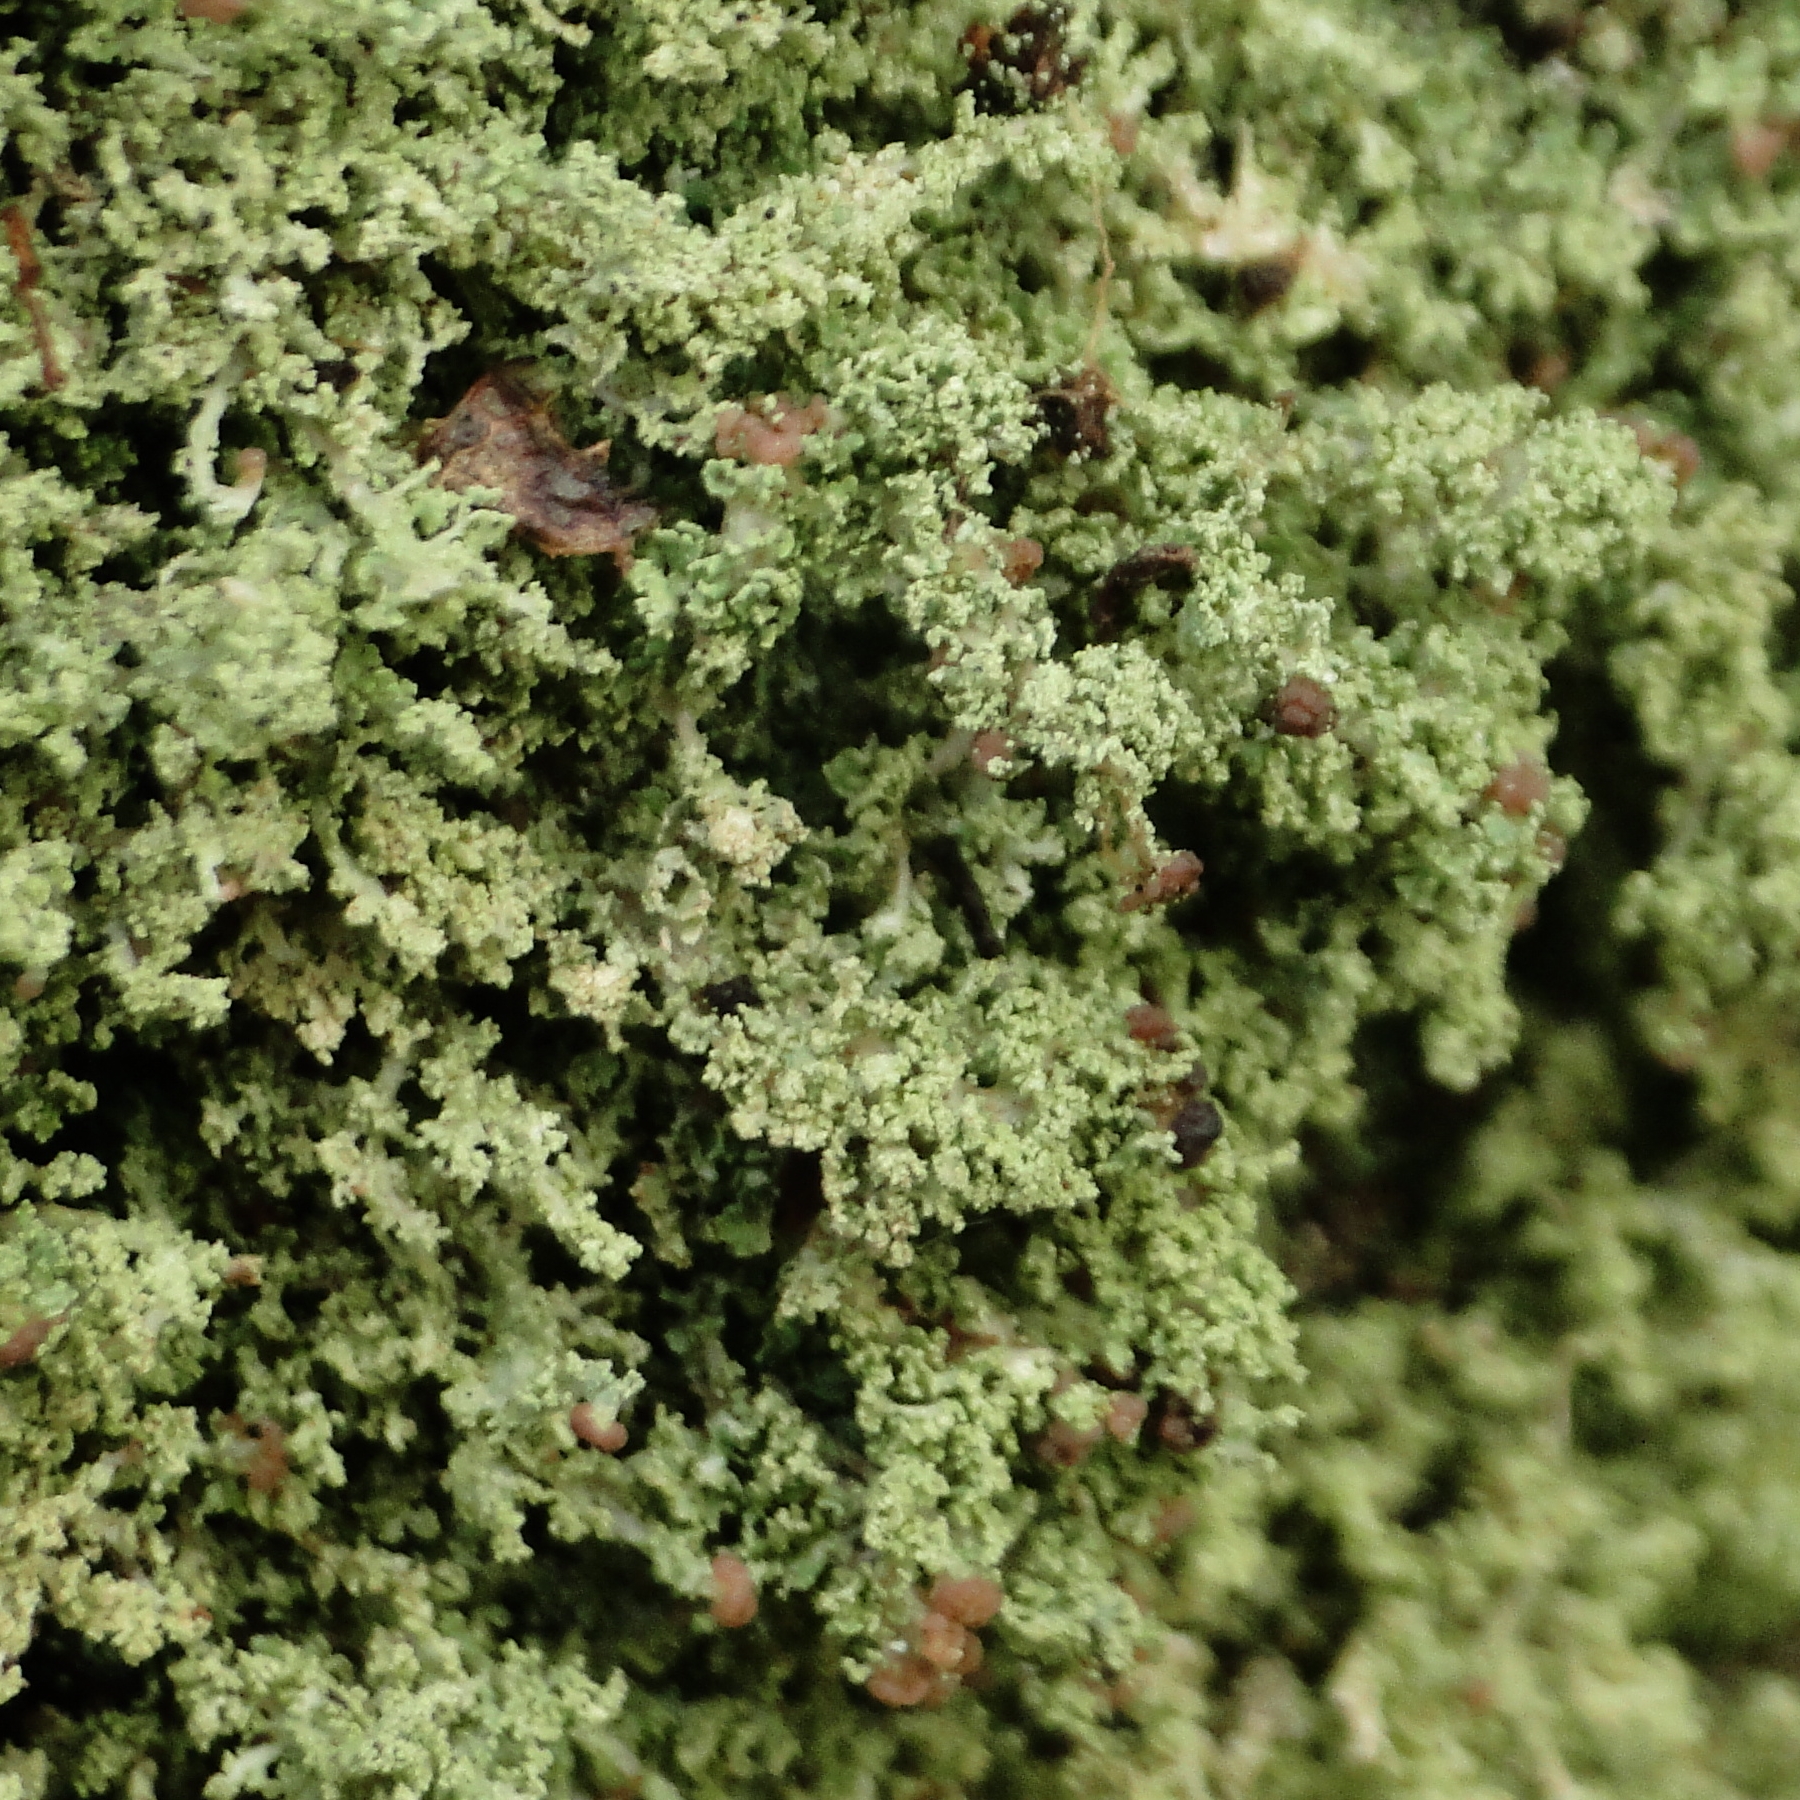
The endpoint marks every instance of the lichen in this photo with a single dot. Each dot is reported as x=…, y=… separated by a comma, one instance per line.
x=1106, y=938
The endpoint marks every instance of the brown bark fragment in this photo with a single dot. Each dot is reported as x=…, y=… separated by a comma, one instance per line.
x=1075, y=413
x=1167, y=566
x=1023, y=63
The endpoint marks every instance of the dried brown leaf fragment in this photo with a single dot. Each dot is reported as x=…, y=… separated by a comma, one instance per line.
x=500, y=435
x=1175, y=880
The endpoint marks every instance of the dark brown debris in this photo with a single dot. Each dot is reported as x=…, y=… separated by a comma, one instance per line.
x=1302, y=708
x=1175, y=880
x=1063, y=1445
x=1179, y=1427
x=1075, y=412
x=500, y=435
x=730, y=996
x=1196, y=1127
x=1167, y=566
x=214, y=12
x=1265, y=282
x=1023, y=63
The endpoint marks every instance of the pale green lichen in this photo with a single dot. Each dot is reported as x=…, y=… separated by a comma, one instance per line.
x=453, y=986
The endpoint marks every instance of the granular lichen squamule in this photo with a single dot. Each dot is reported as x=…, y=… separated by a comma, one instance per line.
x=760, y=775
